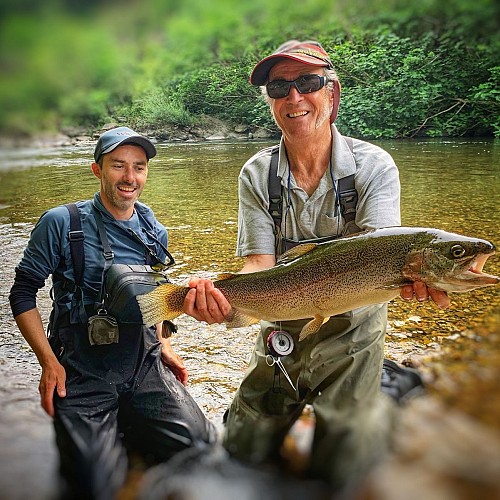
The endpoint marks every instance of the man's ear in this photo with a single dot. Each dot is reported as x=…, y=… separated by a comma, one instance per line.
x=336, y=100
x=96, y=170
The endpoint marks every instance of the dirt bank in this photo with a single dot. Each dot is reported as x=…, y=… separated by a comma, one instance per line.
x=208, y=129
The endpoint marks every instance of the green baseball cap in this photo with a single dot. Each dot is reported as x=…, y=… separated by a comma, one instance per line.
x=122, y=135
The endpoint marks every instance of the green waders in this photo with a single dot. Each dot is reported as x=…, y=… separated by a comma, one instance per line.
x=337, y=371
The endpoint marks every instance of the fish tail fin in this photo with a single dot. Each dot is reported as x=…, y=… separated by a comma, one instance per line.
x=163, y=303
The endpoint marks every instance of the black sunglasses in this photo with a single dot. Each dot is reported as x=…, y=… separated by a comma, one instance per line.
x=304, y=84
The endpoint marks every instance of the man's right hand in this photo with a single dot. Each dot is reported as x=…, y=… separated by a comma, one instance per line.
x=53, y=374
x=53, y=379
x=206, y=303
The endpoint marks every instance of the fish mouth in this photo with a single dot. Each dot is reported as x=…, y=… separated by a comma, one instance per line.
x=476, y=269
x=471, y=278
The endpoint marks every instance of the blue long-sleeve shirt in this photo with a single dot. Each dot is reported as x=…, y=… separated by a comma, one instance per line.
x=48, y=252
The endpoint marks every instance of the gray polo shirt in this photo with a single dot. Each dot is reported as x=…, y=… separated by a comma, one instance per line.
x=305, y=217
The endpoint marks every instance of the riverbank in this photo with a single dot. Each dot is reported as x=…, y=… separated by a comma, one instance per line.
x=208, y=129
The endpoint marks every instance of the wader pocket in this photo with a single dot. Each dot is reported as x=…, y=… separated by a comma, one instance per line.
x=102, y=329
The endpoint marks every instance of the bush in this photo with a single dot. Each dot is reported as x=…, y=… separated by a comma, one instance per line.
x=159, y=107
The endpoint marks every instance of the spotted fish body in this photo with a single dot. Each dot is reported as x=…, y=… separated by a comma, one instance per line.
x=321, y=280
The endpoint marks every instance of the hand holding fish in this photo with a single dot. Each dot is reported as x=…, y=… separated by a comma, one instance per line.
x=206, y=303
x=418, y=290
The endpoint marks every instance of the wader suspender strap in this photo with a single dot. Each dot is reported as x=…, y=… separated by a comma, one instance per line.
x=348, y=196
x=76, y=237
x=108, y=253
x=274, y=188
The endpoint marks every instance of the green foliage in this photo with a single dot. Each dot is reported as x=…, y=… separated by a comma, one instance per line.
x=407, y=68
x=485, y=98
x=398, y=87
x=159, y=107
x=223, y=92
x=55, y=69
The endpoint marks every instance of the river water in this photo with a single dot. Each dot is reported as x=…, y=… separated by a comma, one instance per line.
x=448, y=184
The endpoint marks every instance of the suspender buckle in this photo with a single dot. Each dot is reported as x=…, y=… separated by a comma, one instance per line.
x=348, y=201
x=109, y=255
x=76, y=236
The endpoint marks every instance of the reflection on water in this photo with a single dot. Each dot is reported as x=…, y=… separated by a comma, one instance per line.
x=452, y=185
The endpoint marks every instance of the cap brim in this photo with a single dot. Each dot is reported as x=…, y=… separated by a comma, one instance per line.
x=260, y=73
x=145, y=144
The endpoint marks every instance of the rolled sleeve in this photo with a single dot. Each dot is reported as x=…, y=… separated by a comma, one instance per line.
x=23, y=293
x=378, y=186
x=255, y=224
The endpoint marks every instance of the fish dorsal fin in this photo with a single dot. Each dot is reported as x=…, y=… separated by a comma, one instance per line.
x=296, y=252
x=225, y=276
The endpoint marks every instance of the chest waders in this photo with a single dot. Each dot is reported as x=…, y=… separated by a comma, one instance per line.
x=337, y=371
x=119, y=395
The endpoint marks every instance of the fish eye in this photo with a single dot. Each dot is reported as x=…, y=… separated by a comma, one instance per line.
x=457, y=251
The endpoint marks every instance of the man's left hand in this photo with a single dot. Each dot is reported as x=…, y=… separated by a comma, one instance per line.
x=421, y=292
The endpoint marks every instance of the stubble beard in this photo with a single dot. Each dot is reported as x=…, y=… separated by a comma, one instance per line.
x=325, y=113
x=110, y=191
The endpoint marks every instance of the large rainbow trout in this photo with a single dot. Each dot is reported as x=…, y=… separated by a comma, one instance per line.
x=319, y=280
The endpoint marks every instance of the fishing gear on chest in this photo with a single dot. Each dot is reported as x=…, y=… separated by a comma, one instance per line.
x=279, y=344
x=120, y=283
x=345, y=202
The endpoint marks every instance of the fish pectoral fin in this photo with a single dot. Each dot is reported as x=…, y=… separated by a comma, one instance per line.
x=393, y=286
x=237, y=319
x=296, y=252
x=313, y=326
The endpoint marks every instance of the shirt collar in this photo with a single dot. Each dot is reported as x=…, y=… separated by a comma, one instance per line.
x=342, y=158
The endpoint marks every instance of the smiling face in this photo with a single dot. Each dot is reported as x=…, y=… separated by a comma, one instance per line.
x=123, y=175
x=300, y=115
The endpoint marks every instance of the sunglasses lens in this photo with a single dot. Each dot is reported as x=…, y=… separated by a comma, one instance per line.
x=278, y=89
x=305, y=84
x=308, y=83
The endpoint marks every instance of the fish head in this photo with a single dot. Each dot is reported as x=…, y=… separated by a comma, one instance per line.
x=450, y=262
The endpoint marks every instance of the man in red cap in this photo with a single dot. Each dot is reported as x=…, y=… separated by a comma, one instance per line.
x=328, y=186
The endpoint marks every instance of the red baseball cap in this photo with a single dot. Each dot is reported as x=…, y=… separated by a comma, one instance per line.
x=308, y=52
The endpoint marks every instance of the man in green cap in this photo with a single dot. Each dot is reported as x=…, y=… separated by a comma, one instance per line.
x=123, y=384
